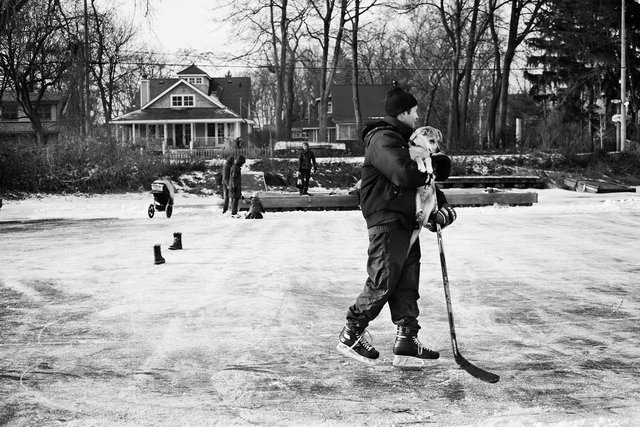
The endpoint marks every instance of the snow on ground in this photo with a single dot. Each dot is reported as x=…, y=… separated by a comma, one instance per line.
x=240, y=326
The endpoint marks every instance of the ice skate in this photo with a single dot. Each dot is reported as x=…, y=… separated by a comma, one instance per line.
x=409, y=352
x=356, y=346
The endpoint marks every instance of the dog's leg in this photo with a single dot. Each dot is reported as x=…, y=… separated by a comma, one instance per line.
x=428, y=165
x=421, y=165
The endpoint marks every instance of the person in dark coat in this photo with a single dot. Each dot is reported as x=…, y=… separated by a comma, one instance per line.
x=226, y=172
x=235, y=184
x=306, y=160
x=389, y=181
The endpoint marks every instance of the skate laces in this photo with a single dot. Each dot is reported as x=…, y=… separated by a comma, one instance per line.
x=419, y=344
x=363, y=341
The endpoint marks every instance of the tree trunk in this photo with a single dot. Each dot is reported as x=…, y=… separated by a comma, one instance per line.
x=354, y=74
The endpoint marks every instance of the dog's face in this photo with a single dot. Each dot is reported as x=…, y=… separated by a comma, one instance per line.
x=427, y=137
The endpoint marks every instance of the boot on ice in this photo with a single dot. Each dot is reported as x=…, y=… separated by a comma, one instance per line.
x=177, y=241
x=157, y=253
x=408, y=350
x=355, y=345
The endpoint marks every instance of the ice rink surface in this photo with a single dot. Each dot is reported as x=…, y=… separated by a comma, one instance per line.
x=240, y=327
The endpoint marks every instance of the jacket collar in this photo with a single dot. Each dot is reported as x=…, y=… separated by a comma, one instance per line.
x=404, y=129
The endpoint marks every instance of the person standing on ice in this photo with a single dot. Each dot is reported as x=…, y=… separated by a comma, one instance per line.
x=306, y=160
x=389, y=179
x=226, y=172
x=235, y=185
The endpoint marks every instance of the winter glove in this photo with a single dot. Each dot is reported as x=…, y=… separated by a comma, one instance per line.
x=443, y=217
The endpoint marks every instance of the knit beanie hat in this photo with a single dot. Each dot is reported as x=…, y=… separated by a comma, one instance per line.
x=398, y=101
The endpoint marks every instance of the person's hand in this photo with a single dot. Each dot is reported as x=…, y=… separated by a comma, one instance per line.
x=444, y=217
x=417, y=151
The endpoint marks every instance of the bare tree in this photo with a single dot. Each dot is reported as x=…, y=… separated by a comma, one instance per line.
x=34, y=56
x=354, y=16
x=325, y=11
x=271, y=28
x=112, y=39
x=523, y=15
x=8, y=10
x=464, y=27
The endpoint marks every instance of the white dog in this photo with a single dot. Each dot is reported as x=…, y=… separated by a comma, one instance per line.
x=429, y=138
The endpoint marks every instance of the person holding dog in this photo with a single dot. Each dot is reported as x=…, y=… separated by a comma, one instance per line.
x=389, y=181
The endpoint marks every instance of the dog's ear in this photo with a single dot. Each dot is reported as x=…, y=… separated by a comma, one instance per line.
x=441, y=166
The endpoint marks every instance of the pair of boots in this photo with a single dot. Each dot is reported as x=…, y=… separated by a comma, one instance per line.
x=407, y=349
x=177, y=244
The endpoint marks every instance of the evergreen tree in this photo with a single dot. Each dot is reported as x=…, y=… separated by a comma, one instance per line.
x=576, y=56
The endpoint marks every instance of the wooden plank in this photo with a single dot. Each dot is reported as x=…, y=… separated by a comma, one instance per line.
x=337, y=200
x=456, y=197
x=602, y=187
x=503, y=181
x=462, y=199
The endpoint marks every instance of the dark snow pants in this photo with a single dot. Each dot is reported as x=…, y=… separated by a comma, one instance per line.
x=225, y=197
x=305, y=175
x=234, y=198
x=394, y=274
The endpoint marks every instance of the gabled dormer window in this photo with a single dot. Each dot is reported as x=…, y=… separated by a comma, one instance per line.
x=194, y=80
x=182, y=100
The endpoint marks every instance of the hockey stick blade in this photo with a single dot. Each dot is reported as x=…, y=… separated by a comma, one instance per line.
x=471, y=369
x=475, y=371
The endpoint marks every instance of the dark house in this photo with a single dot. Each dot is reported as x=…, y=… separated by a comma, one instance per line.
x=14, y=123
x=341, y=121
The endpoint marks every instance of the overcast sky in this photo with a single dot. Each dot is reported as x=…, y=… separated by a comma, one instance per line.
x=180, y=24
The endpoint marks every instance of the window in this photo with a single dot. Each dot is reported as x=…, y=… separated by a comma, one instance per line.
x=44, y=112
x=182, y=100
x=195, y=80
x=10, y=112
x=329, y=107
x=346, y=132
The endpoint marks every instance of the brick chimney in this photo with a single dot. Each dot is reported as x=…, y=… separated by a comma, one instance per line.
x=144, y=91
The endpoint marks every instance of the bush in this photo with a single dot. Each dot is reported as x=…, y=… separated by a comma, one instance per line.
x=94, y=165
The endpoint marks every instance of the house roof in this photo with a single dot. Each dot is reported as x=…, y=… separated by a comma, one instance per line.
x=192, y=70
x=233, y=92
x=175, y=115
x=47, y=97
x=371, y=102
x=206, y=94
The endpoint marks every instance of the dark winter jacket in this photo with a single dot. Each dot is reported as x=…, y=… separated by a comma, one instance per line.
x=306, y=160
x=389, y=176
x=235, y=177
x=226, y=171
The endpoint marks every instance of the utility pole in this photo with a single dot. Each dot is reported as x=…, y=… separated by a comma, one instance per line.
x=87, y=113
x=623, y=80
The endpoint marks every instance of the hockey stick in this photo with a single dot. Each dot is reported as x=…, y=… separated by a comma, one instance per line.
x=475, y=371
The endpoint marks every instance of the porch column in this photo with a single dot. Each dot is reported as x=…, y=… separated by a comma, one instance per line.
x=193, y=135
x=173, y=135
x=237, y=131
x=165, y=135
x=133, y=133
